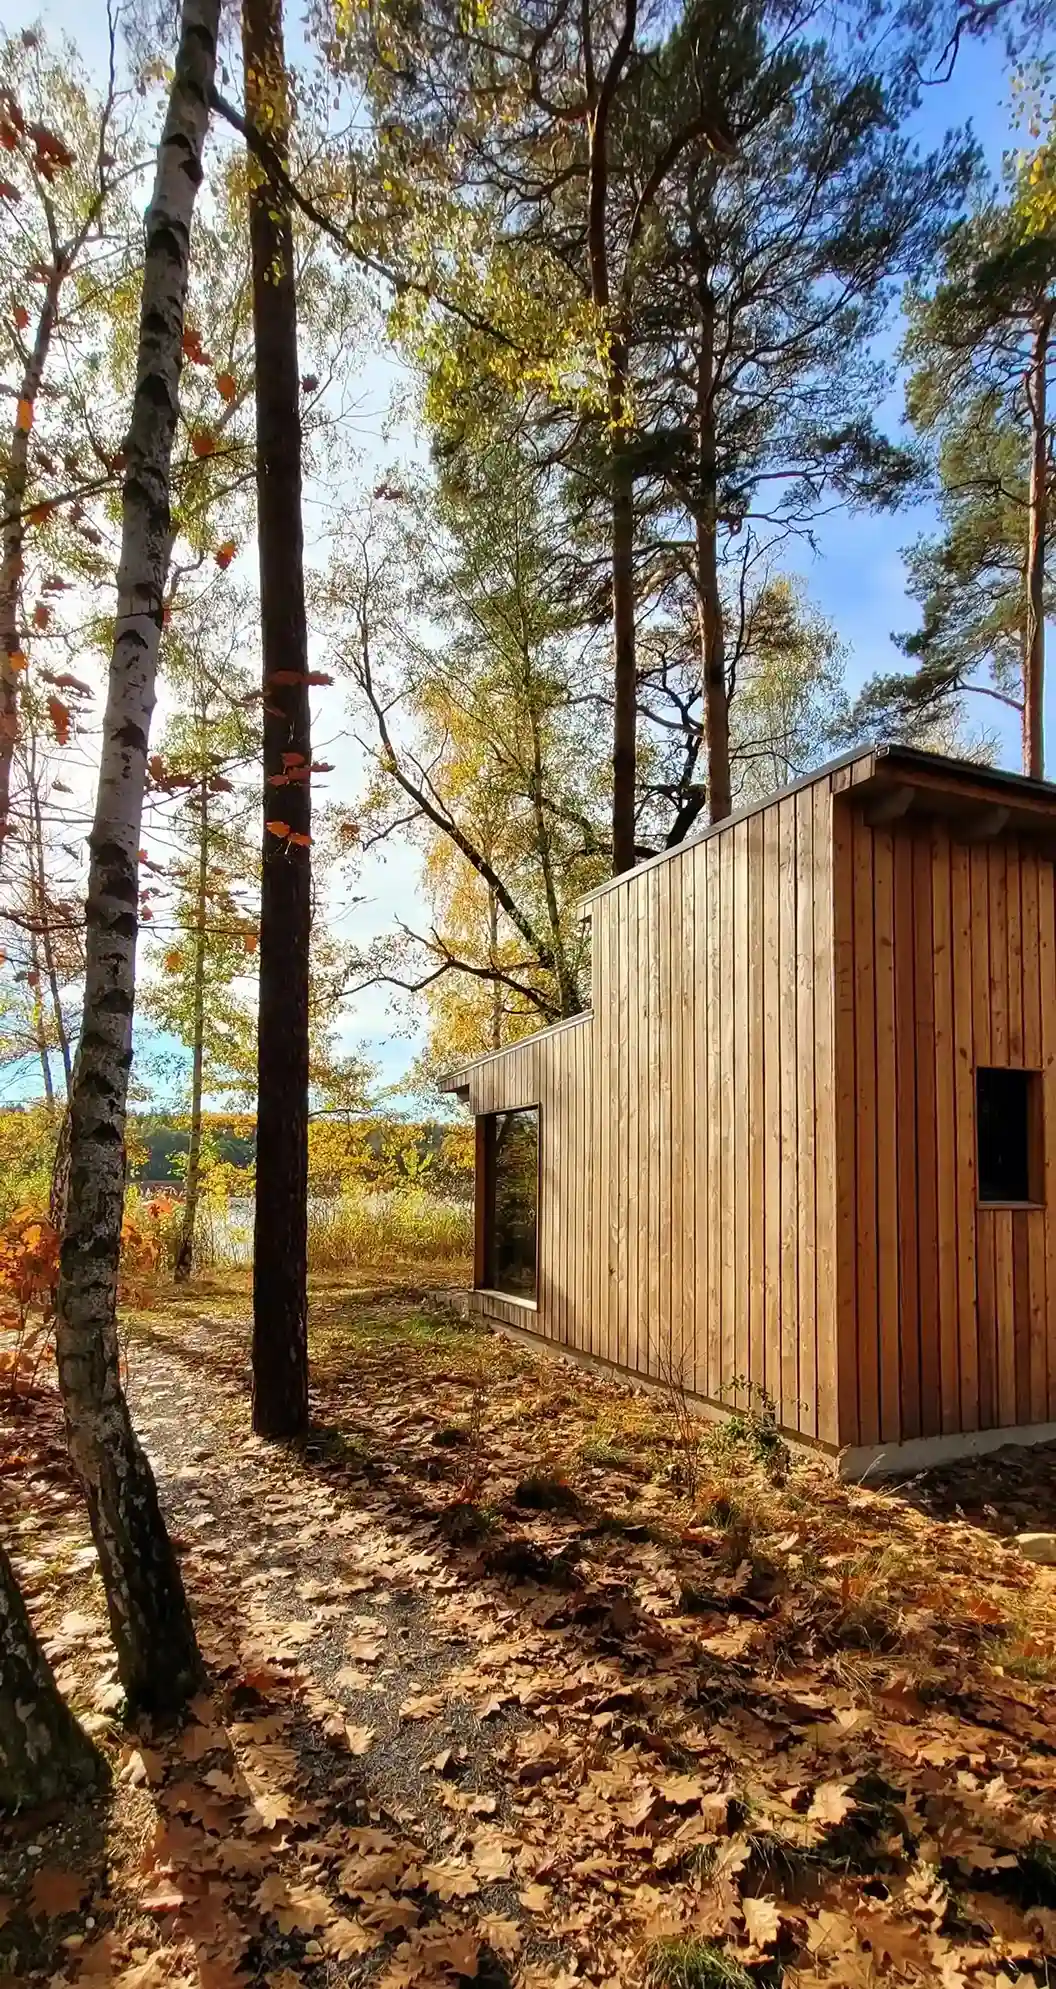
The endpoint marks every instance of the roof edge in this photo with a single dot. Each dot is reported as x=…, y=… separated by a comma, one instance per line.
x=453, y=1080
x=891, y=753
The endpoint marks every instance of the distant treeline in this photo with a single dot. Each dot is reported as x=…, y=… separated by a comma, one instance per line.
x=376, y=1150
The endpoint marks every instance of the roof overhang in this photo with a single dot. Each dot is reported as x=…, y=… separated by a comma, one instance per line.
x=979, y=802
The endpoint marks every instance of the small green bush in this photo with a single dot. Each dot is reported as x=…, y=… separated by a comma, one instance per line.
x=684, y=1962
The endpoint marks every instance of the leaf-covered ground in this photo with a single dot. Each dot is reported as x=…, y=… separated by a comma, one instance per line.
x=511, y=1688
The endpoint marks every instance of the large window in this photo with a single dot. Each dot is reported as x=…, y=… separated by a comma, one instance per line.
x=511, y=1201
x=1008, y=1130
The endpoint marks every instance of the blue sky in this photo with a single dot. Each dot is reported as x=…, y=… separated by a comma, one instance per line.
x=856, y=576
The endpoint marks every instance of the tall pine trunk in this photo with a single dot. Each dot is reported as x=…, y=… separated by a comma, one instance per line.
x=151, y=1625
x=1037, y=548
x=709, y=599
x=45, y=1756
x=185, y=1252
x=625, y=679
x=13, y=535
x=280, y=1240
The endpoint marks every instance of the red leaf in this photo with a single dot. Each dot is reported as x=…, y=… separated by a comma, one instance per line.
x=293, y=759
x=309, y=383
x=21, y=316
x=227, y=387
x=41, y=615
x=282, y=677
x=280, y=829
x=298, y=836
x=51, y=152
x=225, y=554
x=203, y=441
x=193, y=349
x=9, y=192
x=318, y=677
x=59, y=714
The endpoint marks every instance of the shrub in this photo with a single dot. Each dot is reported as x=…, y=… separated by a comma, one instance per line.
x=684, y=1962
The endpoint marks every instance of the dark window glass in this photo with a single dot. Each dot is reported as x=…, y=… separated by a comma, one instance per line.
x=1006, y=1103
x=511, y=1204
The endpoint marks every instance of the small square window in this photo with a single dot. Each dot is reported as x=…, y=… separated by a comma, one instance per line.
x=1008, y=1135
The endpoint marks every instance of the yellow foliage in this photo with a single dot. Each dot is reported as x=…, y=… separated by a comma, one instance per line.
x=338, y=1155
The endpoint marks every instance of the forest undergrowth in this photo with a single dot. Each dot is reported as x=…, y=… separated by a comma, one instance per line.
x=514, y=1679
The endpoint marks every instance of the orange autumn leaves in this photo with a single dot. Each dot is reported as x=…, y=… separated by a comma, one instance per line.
x=204, y=439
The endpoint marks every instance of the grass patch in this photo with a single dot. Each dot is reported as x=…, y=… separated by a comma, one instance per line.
x=323, y=1444
x=608, y=1456
x=684, y=1962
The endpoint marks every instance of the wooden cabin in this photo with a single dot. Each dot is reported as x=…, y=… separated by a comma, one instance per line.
x=805, y=1139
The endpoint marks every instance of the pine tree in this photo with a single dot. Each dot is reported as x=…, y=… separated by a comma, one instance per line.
x=280, y=1241
x=981, y=345
x=757, y=362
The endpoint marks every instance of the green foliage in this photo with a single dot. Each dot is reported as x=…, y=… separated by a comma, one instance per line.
x=970, y=342
x=27, y=1153
x=750, y=1433
x=463, y=637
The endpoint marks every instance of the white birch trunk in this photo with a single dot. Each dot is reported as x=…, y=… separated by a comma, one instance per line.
x=157, y=1653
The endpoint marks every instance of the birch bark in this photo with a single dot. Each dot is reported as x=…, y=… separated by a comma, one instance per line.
x=151, y=1625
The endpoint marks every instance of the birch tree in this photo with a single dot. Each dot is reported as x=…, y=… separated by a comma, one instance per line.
x=151, y=1625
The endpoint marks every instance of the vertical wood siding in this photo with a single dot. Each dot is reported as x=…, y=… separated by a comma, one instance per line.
x=944, y=962
x=688, y=1175
x=758, y=1154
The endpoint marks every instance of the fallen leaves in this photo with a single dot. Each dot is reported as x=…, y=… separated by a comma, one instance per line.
x=600, y=1777
x=423, y=1706
x=831, y=1803
x=54, y=1891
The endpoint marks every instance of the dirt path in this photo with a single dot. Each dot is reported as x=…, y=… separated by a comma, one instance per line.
x=509, y=1688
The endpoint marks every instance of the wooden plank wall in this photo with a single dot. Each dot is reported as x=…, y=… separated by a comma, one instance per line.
x=688, y=1212
x=944, y=961
x=553, y=1072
